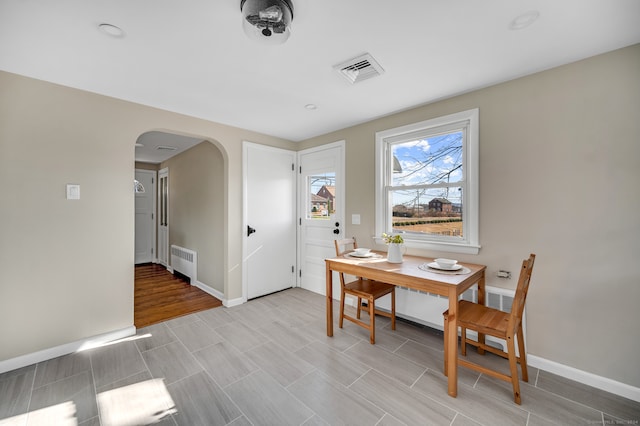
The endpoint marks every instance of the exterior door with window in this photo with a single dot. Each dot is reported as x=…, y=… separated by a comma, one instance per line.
x=321, y=206
x=144, y=188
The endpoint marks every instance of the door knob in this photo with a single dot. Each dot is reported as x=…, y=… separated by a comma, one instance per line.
x=336, y=231
x=250, y=230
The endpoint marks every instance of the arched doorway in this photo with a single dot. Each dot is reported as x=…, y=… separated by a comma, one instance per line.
x=193, y=211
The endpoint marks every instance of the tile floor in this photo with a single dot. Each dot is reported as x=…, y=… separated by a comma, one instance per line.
x=269, y=362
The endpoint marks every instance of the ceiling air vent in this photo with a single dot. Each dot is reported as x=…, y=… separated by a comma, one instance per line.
x=361, y=68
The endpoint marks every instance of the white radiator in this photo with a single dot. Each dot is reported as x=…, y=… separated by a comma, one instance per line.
x=426, y=308
x=185, y=261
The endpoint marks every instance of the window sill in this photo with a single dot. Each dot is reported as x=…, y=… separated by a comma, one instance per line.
x=437, y=246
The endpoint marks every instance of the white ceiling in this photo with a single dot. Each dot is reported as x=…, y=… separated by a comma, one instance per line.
x=156, y=147
x=192, y=57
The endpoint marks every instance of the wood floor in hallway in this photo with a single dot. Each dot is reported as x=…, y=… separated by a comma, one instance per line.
x=160, y=296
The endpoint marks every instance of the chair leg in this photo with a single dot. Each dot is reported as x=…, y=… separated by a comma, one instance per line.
x=513, y=366
x=372, y=321
x=342, y=294
x=359, y=308
x=446, y=341
x=523, y=355
x=463, y=341
x=393, y=309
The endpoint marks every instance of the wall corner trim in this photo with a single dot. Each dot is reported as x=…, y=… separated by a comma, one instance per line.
x=233, y=302
x=56, y=351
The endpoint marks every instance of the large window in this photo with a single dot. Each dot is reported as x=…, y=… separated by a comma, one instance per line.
x=427, y=183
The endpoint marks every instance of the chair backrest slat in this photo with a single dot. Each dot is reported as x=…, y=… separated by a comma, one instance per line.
x=517, y=308
x=342, y=248
x=342, y=245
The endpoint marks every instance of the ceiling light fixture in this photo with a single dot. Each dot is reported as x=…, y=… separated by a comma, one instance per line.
x=524, y=20
x=111, y=30
x=267, y=21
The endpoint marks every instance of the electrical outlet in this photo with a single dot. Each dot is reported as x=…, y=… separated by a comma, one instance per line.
x=503, y=274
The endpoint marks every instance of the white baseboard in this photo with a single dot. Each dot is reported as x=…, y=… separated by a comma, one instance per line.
x=218, y=295
x=233, y=302
x=210, y=290
x=50, y=353
x=584, y=377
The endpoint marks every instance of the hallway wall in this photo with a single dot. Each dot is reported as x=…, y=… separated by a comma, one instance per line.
x=196, y=208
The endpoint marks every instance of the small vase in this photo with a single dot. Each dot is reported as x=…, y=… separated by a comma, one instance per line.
x=394, y=253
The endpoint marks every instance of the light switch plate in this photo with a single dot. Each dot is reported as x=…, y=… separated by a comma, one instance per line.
x=355, y=219
x=73, y=191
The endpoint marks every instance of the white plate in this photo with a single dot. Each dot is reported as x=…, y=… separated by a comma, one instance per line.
x=434, y=265
x=353, y=254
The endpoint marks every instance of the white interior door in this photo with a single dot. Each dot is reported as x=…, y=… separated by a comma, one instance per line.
x=144, y=189
x=269, y=252
x=163, y=217
x=322, y=208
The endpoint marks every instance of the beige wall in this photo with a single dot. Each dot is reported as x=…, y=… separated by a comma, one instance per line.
x=67, y=266
x=196, y=208
x=559, y=176
x=560, y=156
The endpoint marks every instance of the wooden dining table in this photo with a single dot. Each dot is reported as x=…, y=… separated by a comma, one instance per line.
x=414, y=273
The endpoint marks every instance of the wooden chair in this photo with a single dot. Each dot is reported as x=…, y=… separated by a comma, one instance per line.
x=493, y=322
x=364, y=289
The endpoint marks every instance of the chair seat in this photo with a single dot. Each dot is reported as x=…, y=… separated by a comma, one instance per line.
x=368, y=288
x=483, y=319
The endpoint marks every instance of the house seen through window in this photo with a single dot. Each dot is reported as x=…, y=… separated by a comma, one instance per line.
x=322, y=196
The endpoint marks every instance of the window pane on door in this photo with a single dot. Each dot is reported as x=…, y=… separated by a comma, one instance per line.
x=321, y=202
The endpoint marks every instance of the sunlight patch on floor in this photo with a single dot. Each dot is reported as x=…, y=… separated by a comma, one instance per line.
x=93, y=345
x=63, y=414
x=138, y=404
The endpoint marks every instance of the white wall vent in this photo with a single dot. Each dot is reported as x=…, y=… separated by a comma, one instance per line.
x=360, y=68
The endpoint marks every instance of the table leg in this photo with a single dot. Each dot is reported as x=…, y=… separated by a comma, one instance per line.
x=451, y=351
x=481, y=293
x=329, y=297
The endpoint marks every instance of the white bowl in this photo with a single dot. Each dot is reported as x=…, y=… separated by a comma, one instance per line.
x=446, y=263
x=362, y=251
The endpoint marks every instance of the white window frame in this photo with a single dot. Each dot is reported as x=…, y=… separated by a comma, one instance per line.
x=383, y=219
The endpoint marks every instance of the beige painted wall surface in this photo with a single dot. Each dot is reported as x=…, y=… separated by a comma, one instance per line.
x=559, y=174
x=196, y=208
x=67, y=266
x=559, y=171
